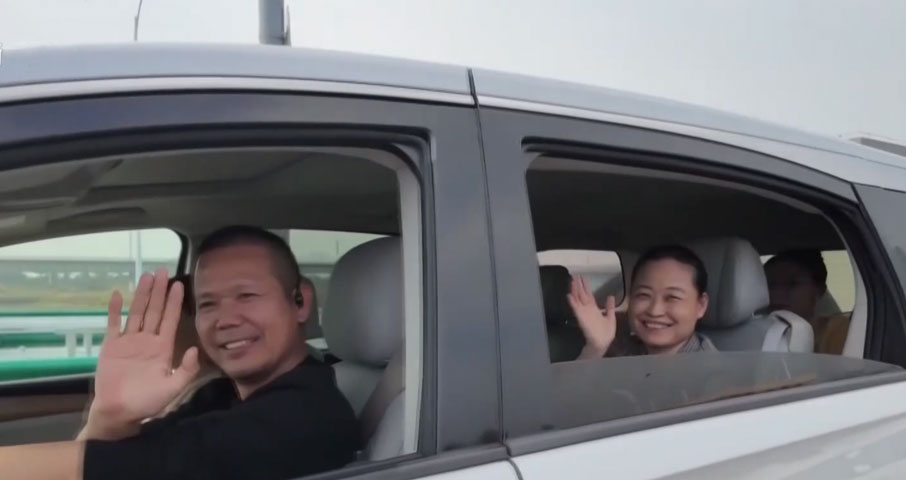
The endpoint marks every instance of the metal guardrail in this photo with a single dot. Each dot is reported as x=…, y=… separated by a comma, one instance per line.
x=71, y=327
x=65, y=343
x=20, y=369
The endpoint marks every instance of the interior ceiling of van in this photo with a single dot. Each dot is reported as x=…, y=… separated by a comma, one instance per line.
x=199, y=191
x=354, y=190
x=588, y=210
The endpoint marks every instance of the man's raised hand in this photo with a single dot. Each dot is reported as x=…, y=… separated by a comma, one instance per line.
x=135, y=379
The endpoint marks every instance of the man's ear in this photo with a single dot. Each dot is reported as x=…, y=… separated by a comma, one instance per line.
x=305, y=293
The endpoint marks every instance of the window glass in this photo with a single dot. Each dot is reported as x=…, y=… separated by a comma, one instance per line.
x=841, y=282
x=54, y=295
x=602, y=269
x=588, y=204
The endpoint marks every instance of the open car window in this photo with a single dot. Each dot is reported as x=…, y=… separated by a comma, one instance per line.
x=753, y=349
x=54, y=294
x=602, y=270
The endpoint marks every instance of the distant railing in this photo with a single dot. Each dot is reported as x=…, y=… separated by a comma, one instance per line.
x=53, y=328
x=45, y=332
x=24, y=369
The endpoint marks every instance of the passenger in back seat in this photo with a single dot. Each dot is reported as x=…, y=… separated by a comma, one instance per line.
x=667, y=298
x=797, y=279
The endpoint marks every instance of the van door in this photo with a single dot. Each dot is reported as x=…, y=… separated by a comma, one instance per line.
x=634, y=417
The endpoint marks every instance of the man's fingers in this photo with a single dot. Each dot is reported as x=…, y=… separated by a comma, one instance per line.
x=114, y=314
x=139, y=303
x=172, y=313
x=156, y=301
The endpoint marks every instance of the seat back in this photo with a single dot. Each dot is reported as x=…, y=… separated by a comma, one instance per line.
x=564, y=338
x=738, y=291
x=363, y=326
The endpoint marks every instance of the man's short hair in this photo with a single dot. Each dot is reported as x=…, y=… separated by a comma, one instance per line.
x=809, y=259
x=285, y=267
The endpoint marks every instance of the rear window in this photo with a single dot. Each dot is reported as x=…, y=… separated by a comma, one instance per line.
x=580, y=204
x=602, y=269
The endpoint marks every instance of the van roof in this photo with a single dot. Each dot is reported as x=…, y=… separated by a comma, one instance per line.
x=49, y=65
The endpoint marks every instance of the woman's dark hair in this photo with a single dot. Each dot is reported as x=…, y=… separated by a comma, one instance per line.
x=680, y=254
x=808, y=259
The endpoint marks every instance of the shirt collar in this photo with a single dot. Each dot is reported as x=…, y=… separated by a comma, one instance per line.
x=309, y=373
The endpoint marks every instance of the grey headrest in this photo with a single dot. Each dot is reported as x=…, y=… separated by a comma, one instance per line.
x=737, y=286
x=363, y=315
x=555, y=284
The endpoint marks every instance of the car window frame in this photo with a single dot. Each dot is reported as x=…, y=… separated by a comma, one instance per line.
x=460, y=424
x=511, y=140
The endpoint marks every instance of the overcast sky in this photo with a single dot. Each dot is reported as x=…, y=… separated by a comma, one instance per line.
x=830, y=66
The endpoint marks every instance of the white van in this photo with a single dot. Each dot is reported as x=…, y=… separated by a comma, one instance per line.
x=477, y=174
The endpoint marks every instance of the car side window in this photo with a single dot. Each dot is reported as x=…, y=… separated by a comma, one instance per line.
x=54, y=294
x=841, y=284
x=730, y=226
x=602, y=269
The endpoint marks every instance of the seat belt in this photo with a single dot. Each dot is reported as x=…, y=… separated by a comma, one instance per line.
x=774, y=337
x=389, y=386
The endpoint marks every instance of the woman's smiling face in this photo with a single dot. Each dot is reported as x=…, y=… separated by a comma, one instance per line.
x=665, y=305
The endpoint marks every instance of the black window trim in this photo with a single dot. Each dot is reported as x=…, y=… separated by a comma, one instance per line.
x=522, y=136
x=449, y=162
x=416, y=466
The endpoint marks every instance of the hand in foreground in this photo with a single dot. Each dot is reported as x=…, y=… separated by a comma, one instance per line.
x=598, y=326
x=135, y=379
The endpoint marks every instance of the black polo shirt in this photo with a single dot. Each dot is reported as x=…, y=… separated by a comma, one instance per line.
x=299, y=424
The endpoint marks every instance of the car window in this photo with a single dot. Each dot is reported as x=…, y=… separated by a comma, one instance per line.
x=347, y=167
x=841, y=284
x=726, y=233
x=601, y=269
x=54, y=294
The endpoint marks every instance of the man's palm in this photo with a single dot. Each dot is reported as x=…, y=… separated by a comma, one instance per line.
x=134, y=376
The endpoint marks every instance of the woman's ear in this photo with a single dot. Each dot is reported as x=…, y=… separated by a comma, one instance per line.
x=702, y=305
